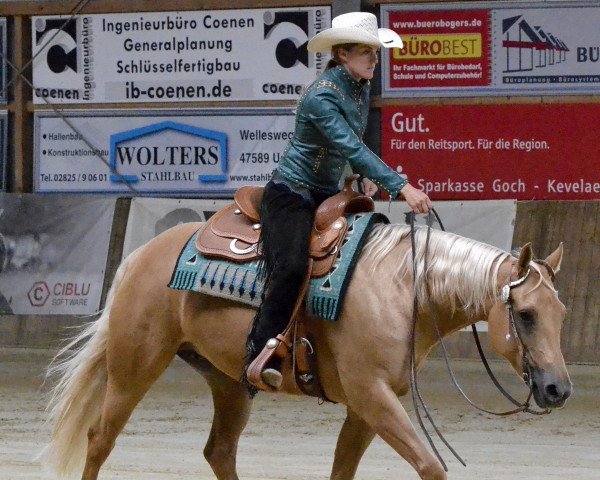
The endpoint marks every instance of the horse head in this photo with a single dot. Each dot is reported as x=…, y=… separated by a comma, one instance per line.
x=525, y=325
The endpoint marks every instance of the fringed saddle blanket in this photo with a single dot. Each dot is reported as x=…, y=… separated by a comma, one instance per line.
x=243, y=283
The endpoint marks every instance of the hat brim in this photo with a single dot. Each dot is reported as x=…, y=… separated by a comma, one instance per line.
x=323, y=41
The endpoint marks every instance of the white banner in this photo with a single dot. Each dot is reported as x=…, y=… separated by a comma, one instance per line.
x=487, y=221
x=219, y=55
x=149, y=217
x=197, y=152
x=53, y=252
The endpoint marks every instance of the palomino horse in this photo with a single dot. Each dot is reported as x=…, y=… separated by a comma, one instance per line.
x=363, y=358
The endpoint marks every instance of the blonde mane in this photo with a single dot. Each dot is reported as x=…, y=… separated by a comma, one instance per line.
x=460, y=270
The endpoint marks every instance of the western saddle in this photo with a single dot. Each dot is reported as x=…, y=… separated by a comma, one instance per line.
x=233, y=234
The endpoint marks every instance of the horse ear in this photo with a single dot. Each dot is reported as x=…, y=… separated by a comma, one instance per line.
x=555, y=258
x=525, y=257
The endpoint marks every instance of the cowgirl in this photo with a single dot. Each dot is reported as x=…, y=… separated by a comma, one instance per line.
x=331, y=118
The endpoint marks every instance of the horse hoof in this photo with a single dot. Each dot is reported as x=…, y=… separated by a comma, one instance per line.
x=272, y=378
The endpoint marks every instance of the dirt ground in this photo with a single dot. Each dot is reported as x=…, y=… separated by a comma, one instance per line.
x=294, y=438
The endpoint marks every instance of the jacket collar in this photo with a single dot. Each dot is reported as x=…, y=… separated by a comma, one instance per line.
x=343, y=79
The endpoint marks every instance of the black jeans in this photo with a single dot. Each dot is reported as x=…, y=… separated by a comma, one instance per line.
x=286, y=223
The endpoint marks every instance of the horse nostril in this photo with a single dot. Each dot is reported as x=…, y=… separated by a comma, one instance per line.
x=552, y=391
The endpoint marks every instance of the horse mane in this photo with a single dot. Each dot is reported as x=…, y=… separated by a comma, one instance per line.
x=460, y=270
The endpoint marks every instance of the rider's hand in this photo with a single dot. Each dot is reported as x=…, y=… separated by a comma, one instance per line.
x=368, y=187
x=417, y=199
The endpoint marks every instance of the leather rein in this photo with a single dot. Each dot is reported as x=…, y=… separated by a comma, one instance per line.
x=506, y=297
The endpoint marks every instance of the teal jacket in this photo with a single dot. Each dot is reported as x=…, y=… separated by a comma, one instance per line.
x=331, y=118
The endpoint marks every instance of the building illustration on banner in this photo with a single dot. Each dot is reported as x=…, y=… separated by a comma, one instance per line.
x=528, y=47
x=168, y=151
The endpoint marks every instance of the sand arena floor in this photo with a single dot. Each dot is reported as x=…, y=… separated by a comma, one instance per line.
x=165, y=436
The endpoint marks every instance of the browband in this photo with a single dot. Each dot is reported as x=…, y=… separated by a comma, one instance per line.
x=505, y=292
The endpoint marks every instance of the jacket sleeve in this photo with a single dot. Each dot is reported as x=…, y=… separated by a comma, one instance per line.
x=323, y=110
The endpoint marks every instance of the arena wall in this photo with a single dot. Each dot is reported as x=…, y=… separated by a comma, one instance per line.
x=543, y=223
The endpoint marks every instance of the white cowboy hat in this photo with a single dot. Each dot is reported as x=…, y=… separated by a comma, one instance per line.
x=354, y=27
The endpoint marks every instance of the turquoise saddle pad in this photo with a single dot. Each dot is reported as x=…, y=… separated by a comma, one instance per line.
x=243, y=282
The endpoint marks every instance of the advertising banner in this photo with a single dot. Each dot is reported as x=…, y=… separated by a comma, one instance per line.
x=211, y=55
x=3, y=64
x=512, y=48
x=3, y=149
x=196, y=152
x=53, y=252
x=479, y=152
x=149, y=217
x=482, y=152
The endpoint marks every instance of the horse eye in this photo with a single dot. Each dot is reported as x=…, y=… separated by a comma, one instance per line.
x=527, y=318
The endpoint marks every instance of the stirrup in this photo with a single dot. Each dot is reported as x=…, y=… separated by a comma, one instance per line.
x=274, y=348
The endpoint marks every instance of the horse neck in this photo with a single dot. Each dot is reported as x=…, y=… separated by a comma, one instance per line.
x=442, y=314
x=462, y=274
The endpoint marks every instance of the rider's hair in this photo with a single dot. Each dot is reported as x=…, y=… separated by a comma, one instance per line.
x=334, y=61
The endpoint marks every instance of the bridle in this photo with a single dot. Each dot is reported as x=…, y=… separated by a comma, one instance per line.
x=505, y=297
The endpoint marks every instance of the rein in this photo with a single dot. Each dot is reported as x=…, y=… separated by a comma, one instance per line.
x=506, y=297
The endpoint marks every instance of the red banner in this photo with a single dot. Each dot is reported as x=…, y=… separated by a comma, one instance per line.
x=479, y=152
x=441, y=49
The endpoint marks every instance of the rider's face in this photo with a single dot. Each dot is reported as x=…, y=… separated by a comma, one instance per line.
x=360, y=61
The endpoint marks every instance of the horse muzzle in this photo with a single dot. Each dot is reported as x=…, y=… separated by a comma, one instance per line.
x=550, y=391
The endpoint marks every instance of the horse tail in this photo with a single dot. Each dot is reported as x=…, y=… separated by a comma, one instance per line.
x=76, y=400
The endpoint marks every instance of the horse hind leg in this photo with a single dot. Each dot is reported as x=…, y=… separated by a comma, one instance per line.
x=232, y=406
x=102, y=434
x=131, y=373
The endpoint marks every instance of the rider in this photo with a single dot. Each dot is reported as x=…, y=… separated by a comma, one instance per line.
x=331, y=118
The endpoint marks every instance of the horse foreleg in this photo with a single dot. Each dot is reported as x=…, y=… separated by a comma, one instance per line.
x=354, y=438
x=379, y=406
x=232, y=407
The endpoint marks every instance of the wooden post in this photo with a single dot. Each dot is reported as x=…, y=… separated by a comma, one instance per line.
x=20, y=177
